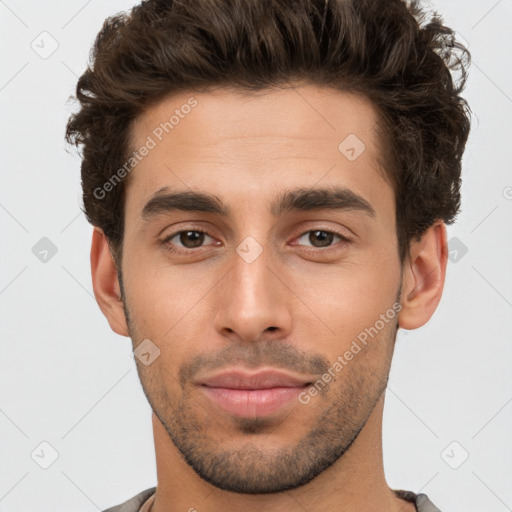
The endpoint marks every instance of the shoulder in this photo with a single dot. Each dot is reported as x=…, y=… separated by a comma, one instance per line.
x=423, y=504
x=421, y=501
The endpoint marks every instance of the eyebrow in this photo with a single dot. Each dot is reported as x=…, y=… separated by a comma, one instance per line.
x=300, y=199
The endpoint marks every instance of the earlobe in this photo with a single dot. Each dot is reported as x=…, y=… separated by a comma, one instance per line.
x=106, y=284
x=423, y=277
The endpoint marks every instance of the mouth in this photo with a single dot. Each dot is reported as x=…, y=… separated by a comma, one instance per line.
x=253, y=395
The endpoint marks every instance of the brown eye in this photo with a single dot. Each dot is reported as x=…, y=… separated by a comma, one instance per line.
x=324, y=237
x=195, y=238
x=186, y=239
x=320, y=238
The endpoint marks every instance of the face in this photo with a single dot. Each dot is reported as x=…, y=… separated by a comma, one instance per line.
x=288, y=262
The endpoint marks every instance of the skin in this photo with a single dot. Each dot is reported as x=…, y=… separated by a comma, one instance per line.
x=210, y=309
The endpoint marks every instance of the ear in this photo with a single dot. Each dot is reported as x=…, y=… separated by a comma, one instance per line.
x=105, y=283
x=423, y=277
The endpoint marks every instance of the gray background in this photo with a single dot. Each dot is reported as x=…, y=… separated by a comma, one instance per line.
x=67, y=380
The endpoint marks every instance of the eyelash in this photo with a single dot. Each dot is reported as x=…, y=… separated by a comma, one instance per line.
x=172, y=249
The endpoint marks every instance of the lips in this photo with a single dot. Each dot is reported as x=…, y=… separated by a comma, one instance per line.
x=262, y=380
x=252, y=395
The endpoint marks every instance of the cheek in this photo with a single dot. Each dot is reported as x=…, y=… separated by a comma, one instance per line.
x=348, y=299
x=167, y=304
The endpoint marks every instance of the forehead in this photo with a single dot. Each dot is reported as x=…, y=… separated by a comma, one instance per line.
x=307, y=112
x=293, y=137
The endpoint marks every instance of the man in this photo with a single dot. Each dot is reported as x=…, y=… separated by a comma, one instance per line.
x=269, y=184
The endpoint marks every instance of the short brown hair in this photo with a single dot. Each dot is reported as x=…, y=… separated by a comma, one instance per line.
x=382, y=49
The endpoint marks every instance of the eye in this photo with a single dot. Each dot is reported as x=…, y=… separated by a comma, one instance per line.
x=322, y=238
x=185, y=241
x=189, y=239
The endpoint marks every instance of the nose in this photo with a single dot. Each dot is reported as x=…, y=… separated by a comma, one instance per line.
x=253, y=301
